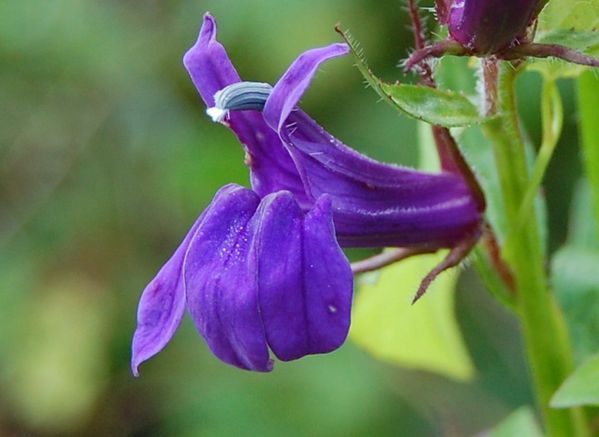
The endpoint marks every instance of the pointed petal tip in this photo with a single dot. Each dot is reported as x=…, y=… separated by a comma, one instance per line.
x=139, y=354
x=323, y=208
x=324, y=203
x=267, y=367
x=135, y=368
x=270, y=365
x=331, y=51
x=138, y=357
x=277, y=197
x=206, y=35
x=208, y=29
x=160, y=311
x=233, y=189
x=161, y=306
x=343, y=48
x=291, y=86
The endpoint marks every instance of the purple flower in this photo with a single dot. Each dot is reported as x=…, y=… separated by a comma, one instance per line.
x=489, y=26
x=262, y=269
x=255, y=274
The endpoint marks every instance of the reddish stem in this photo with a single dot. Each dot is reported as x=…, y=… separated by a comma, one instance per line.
x=386, y=258
x=436, y=50
x=426, y=72
x=491, y=76
x=550, y=51
x=494, y=252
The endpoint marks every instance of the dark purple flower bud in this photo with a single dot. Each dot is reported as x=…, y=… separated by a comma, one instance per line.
x=490, y=26
x=255, y=274
x=500, y=28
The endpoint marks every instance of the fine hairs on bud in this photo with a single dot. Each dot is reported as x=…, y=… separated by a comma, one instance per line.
x=480, y=87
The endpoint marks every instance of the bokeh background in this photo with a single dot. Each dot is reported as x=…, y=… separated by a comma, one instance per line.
x=106, y=158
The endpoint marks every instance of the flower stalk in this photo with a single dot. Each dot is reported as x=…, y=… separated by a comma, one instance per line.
x=546, y=340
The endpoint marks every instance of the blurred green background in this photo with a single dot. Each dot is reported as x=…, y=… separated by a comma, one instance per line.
x=106, y=158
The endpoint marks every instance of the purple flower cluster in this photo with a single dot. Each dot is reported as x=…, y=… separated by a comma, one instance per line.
x=262, y=269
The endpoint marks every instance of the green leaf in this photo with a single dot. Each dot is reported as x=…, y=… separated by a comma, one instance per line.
x=521, y=422
x=434, y=106
x=570, y=14
x=579, y=40
x=427, y=149
x=582, y=230
x=581, y=388
x=588, y=96
x=482, y=161
x=443, y=108
x=571, y=23
x=585, y=42
x=575, y=276
x=422, y=336
x=457, y=73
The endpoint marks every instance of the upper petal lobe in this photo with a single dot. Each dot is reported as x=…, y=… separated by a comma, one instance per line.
x=211, y=70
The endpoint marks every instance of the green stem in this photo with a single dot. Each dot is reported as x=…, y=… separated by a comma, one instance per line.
x=552, y=116
x=588, y=95
x=545, y=337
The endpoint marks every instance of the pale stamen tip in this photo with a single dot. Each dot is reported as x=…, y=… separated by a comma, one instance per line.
x=217, y=114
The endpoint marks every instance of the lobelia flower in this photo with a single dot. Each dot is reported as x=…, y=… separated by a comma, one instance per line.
x=500, y=28
x=262, y=269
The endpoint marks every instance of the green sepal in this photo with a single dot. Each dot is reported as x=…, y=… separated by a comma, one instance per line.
x=434, y=106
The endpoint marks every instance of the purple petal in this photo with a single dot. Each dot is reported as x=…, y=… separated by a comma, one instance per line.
x=290, y=88
x=488, y=26
x=328, y=280
x=374, y=204
x=305, y=280
x=211, y=70
x=221, y=281
x=161, y=306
